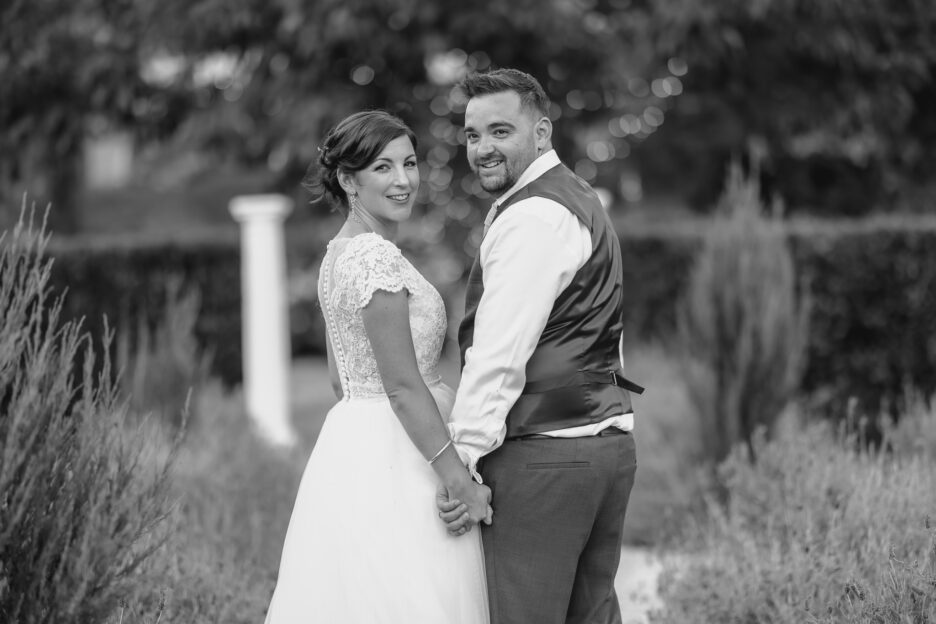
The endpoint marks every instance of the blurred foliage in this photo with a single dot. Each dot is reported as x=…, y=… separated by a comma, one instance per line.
x=86, y=491
x=742, y=324
x=166, y=365
x=133, y=283
x=835, y=96
x=873, y=286
x=820, y=531
x=873, y=330
x=70, y=69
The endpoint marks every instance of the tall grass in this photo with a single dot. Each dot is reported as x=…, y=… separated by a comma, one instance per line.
x=165, y=364
x=820, y=530
x=83, y=497
x=742, y=325
x=235, y=497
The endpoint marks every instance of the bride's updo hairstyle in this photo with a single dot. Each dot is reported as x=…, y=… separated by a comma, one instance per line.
x=351, y=146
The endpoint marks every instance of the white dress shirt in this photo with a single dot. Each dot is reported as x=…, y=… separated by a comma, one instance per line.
x=528, y=256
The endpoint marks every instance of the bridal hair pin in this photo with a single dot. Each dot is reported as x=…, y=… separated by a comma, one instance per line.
x=324, y=155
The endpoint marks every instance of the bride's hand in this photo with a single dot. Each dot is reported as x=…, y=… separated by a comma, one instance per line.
x=453, y=512
x=459, y=517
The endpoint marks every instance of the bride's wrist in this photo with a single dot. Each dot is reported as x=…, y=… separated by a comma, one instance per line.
x=451, y=471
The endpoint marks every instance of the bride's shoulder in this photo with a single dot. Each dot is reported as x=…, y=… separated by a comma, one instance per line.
x=366, y=249
x=371, y=240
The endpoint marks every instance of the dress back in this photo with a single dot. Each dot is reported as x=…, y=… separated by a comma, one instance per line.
x=353, y=269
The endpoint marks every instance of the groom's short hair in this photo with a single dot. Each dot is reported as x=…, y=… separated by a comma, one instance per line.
x=532, y=95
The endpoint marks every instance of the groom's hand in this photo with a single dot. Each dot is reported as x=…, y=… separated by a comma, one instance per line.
x=478, y=499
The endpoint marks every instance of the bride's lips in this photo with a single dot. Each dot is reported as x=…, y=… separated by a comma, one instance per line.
x=401, y=197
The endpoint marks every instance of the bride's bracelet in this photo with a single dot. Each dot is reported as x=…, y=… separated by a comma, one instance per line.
x=441, y=450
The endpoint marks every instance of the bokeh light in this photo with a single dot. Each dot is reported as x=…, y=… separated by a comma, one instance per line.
x=600, y=151
x=362, y=75
x=653, y=116
x=677, y=66
x=638, y=87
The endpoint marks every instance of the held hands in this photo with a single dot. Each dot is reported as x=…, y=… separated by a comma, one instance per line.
x=460, y=516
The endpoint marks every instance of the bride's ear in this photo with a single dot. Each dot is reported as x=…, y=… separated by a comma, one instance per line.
x=346, y=180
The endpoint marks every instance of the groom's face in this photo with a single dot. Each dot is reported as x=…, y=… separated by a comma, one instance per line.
x=503, y=139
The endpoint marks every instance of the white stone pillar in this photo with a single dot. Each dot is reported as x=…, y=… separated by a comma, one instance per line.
x=265, y=332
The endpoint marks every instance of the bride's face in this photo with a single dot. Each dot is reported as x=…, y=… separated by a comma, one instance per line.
x=387, y=187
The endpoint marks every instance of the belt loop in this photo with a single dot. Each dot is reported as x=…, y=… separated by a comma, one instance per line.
x=614, y=381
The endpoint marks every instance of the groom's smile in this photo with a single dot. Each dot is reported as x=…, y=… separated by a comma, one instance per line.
x=501, y=140
x=490, y=166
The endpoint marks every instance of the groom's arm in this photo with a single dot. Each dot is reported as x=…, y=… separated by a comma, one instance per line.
x=529, y=255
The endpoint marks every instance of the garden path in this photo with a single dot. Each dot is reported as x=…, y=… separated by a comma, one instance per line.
x=636, y=584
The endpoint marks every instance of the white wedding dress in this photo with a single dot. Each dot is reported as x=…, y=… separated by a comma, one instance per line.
x=365, y=544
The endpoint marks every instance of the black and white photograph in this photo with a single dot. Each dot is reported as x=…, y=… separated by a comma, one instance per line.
x=434, y=312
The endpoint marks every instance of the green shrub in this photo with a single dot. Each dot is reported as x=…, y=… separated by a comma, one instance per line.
x=742, y=326
x=873, y=284
x=873, y=327
x=657, y=264
x=819, y=530
x=915, y=432
x=83, y=496
x=235, y=497
x=129, y=279
x=166, y=365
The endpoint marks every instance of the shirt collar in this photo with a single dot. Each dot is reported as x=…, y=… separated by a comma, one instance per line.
x=538, y=167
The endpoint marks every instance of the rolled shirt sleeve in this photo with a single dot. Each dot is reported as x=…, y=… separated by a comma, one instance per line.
x=528, y=257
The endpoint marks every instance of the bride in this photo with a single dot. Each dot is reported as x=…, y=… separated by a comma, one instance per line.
x=365, y=543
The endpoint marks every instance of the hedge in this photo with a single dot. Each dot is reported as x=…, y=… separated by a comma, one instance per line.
x=873, y=325
x=873, y=283
x=125, y=279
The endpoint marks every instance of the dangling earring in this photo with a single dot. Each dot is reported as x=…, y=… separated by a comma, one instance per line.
x=354, y=207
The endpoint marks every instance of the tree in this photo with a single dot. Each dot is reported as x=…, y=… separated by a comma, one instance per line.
x=836, y=97
x=67, y=66
x=259, y=81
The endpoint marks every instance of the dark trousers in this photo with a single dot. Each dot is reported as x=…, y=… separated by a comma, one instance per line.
x=555, y=544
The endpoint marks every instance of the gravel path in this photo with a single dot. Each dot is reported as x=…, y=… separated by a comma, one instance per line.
x=636, y=584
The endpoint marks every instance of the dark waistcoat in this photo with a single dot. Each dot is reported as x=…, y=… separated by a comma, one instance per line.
x=573, y=376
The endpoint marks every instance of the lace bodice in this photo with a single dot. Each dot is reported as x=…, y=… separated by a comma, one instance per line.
x=352, y=270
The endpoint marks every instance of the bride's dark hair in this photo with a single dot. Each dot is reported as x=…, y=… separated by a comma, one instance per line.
x=351, y=146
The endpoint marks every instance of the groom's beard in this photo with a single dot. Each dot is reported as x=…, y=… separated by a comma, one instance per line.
x=495, y=183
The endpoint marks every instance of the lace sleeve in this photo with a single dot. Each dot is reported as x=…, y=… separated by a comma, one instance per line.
x=373, y=264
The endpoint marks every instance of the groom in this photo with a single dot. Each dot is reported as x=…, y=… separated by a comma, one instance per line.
x=542, y=410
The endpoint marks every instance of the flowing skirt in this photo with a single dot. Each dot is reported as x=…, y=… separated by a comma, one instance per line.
x=365, y=543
